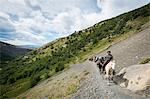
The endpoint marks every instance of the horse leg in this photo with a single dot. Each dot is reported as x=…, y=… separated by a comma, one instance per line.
x=107, y=72
x=103, y=69
x=111, y=74
x=100, y=69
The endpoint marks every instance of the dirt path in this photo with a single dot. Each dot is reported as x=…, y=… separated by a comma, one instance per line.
x=97, y=88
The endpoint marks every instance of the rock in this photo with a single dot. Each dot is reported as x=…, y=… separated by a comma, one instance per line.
x=123, y=84
x=134, y=78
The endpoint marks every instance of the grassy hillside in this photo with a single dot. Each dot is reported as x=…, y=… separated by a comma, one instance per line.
x=9, y=52
x=26, y=71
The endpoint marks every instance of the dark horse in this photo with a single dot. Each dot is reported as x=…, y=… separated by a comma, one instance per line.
x=100, y=65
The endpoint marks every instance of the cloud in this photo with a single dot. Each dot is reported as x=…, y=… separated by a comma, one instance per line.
x=32, y=5
x=5, y=26
x=13, y=17
x=41, y=21
x=19, y=42
x=112, y=8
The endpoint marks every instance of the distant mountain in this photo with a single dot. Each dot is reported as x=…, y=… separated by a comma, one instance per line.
x=29, y=46
x=41, y=63
x=9, y=52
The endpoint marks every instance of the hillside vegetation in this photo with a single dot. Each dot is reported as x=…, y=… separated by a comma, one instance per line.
x=26, y=71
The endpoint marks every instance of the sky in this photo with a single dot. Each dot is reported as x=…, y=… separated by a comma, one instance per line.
x=36, y=22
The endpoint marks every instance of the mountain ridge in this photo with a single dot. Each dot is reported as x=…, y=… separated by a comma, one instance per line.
x=9, y=52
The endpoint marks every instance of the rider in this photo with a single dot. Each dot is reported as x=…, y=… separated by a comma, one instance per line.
x=108, y=58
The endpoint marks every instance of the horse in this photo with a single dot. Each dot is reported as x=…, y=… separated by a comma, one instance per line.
x=99, y=63
x=109, y=69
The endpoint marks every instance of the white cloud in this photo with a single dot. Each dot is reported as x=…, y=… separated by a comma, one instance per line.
x=23, y=38
x=19, y=42
x=4, y=15
x=112, y=8
x=41, y=21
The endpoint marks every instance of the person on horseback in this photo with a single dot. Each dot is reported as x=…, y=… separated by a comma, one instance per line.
x=108, y=58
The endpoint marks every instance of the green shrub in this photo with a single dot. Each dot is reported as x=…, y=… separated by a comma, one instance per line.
x=144, y=61
x=11, y=80
x=34, y=80
x=60, y=67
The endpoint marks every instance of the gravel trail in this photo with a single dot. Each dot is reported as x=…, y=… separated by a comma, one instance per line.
x=98, y=88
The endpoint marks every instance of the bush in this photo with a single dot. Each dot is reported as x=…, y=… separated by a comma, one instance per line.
x=46, y=76
x=60, y=67
x=11, y=80
x=144, y=61
x=34, y=80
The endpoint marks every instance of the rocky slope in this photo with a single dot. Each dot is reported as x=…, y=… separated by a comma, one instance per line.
x=135, y=78
x=126, y=53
